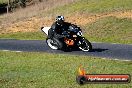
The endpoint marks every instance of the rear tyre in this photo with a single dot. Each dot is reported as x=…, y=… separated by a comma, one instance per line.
x=54, y=43
x=85, y=45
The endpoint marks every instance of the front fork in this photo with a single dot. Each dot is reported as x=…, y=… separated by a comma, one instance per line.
x=80, y=41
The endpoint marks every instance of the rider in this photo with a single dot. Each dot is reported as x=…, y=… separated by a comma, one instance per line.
x=57, y=28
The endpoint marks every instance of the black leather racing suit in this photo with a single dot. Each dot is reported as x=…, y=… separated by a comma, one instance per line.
x=57, y=29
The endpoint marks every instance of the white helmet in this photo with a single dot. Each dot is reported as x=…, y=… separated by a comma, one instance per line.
x=60, y=19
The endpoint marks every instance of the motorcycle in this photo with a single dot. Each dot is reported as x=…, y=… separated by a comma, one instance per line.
x=73, y=38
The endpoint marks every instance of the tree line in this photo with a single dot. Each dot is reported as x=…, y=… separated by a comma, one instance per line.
x=11, y=5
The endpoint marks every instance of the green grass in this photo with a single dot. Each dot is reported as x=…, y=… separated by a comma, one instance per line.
x=93, y=6
x=43, y=70
x=24, y=36
x=110, y=29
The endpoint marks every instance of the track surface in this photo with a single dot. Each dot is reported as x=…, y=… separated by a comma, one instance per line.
x=115, y=51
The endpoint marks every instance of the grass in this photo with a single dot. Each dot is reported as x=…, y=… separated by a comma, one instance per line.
x=51, y=8
x=24, y=36
x=32, y=11
x=44, y=70
x=110, y=29
x=93, y=6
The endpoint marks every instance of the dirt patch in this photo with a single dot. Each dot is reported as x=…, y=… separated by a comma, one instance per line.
x=34, y=24
x=31, y=25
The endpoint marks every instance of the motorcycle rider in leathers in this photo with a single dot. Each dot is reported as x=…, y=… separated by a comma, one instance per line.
x=55, y=32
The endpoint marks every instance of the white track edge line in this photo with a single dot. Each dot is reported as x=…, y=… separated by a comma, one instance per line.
x=101, y=58
x=110, y=43
x=11, y=51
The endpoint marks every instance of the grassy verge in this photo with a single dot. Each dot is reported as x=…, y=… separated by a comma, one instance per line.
x=110, y=29
x=36, y=70
x=24, y=36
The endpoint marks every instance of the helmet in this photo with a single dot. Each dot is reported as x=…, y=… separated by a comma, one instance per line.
x=60, y=19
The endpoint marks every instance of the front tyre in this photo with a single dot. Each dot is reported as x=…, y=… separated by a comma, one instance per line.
x=85, y=45
x=54, y=43
x=51, y=45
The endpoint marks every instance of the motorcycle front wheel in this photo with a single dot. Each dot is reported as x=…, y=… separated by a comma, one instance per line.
x=85, y=45
x=54, y=43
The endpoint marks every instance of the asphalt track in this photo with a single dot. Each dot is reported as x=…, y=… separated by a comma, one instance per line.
x=105, y=50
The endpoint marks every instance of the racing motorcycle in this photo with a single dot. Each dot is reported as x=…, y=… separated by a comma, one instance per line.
x=73, y=39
